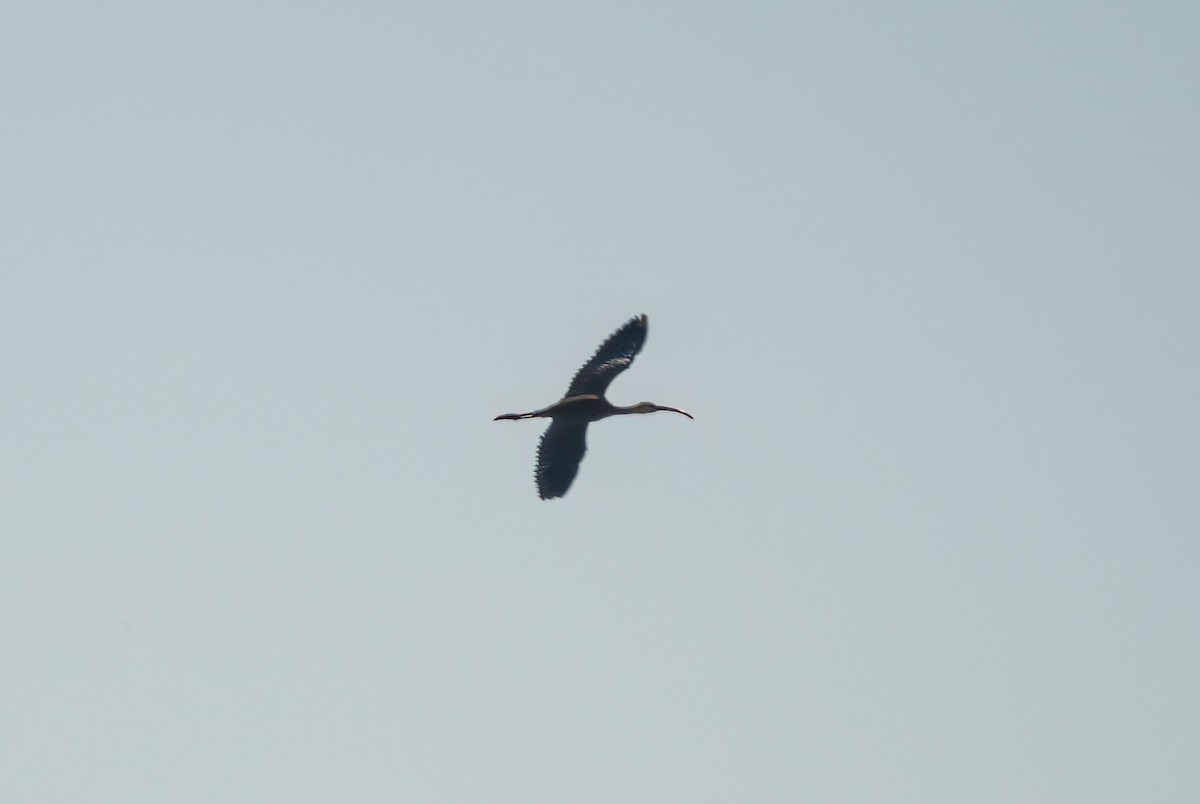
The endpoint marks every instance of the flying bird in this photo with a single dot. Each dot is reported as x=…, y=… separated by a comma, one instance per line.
x=565, y=440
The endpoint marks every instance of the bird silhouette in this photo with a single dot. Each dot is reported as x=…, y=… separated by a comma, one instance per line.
x=565, y=440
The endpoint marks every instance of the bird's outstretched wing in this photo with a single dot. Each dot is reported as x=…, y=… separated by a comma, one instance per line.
x=559, y=453
x=614, y=356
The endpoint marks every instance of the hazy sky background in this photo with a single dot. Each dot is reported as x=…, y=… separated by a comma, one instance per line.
x=926, y=274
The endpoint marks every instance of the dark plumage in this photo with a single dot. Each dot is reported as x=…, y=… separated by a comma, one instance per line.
x=565, y=441
x=614, y=356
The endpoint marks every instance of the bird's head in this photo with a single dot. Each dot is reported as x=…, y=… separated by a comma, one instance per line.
x=650, y=407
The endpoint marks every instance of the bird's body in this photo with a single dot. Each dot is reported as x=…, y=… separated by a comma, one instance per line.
x=565, y=441
x=589, y=407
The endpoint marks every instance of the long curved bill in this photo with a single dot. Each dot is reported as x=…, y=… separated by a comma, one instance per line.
x=674, y=410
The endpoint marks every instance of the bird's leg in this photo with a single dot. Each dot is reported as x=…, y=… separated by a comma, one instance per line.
x=544, y=413
x=515, y=416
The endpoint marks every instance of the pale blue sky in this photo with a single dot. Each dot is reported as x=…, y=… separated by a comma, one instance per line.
x=925, y=273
